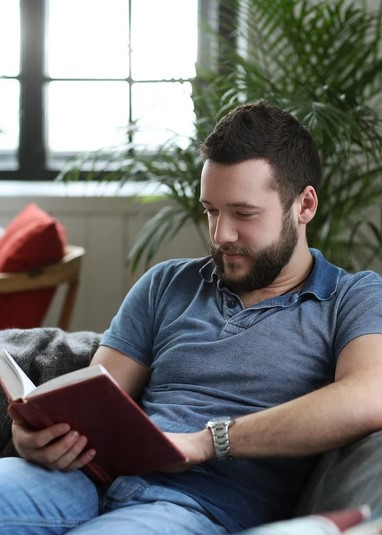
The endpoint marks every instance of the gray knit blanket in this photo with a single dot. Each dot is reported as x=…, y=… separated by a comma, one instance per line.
x=43, y=353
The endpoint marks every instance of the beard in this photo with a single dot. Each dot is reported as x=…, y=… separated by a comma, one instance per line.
x=266, y=264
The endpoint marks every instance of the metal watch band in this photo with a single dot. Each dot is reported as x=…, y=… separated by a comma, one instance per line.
x=219, y=430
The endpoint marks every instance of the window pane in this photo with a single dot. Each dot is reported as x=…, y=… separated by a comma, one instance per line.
x=87, y=39
x=162, y=110
x=9, y=121
x=164, y=39
x=85, y=116
x=9, y=38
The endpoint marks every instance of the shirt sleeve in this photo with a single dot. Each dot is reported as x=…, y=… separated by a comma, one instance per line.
x=359, y=309
x=131, y=330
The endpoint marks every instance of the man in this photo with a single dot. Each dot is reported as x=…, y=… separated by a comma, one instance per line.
x=281, y=347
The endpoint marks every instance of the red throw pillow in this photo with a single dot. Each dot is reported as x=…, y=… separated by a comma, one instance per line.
x=32, y=239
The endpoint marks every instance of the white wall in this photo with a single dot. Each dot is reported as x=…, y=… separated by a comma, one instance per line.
x=105, y=225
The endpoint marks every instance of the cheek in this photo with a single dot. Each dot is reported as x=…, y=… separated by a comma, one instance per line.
x=260, y=234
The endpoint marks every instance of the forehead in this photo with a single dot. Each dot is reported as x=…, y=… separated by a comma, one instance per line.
x=244, y=182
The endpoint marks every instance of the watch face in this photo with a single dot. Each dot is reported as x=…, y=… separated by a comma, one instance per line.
x=220, y=420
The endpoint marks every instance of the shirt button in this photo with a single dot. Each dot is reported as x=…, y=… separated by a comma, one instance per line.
x=231, y=304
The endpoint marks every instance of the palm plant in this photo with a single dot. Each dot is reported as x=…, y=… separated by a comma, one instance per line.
x=175, y=174
x=177, y=171
x=321, y=61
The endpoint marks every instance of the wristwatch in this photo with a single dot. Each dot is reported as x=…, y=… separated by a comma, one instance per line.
x=219, y=429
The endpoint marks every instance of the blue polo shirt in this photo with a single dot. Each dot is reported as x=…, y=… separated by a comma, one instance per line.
x=210, y=357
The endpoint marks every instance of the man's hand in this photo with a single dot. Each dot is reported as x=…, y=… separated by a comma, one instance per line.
x=56, y=447
x=197, y=447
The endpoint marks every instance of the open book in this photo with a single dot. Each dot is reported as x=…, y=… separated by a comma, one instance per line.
x=91, y=401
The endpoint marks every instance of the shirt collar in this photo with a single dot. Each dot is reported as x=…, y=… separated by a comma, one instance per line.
x=322, y=281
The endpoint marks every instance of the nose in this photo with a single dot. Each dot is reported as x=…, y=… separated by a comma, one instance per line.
x=223, y=231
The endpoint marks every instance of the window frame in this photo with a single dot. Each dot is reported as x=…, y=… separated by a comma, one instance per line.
x=32, y=161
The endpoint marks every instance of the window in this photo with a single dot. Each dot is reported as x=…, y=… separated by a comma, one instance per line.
x=9, y=82
x=81, y=75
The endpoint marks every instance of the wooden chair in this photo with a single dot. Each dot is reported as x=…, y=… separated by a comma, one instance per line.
x=67, y=271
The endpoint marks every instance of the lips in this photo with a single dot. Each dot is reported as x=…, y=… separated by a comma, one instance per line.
x=232, y=257
x=233, y=252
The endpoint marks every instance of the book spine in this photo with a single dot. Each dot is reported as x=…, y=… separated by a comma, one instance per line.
x=96, y=474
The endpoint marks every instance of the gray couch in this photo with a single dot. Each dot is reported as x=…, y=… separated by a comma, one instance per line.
x=343, y=478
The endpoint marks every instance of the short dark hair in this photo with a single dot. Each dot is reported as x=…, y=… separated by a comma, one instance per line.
x=260, y=131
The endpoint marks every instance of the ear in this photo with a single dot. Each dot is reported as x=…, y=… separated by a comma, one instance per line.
x=307, y=205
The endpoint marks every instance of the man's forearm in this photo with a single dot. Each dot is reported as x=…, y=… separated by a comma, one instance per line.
x=327, y=418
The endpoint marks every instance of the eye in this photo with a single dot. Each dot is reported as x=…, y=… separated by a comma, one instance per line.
x=246, y=215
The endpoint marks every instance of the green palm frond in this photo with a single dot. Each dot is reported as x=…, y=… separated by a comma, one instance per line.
x=159, y=229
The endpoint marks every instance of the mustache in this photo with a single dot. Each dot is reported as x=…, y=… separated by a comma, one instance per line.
x=218, y=250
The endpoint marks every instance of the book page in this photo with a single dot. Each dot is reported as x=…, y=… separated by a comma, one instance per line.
x=14, y=380
x=70, y=378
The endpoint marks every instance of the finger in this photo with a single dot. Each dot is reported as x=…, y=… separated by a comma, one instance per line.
x=26, y=437
x=73, y=457
x=50, y=454
x=37, y=448
x=82, y=460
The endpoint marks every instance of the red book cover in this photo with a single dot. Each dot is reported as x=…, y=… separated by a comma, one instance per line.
x=127, y=442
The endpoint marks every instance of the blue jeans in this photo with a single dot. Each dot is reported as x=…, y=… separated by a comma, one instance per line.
x=34, y=501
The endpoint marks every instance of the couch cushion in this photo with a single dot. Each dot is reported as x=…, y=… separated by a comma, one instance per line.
x=346, y=477
x=31, y=240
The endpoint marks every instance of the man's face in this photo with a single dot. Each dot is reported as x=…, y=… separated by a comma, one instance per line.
x=252, y=239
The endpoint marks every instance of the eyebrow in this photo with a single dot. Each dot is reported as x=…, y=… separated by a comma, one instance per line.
x=235, y=205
